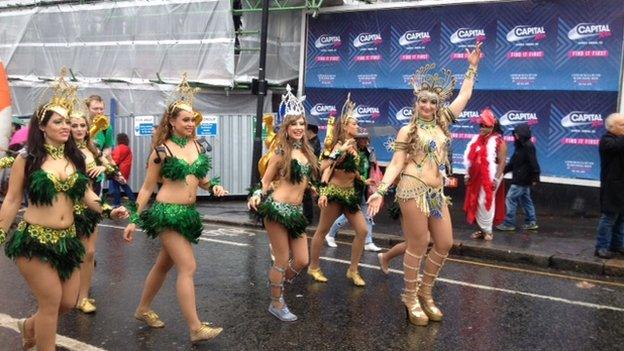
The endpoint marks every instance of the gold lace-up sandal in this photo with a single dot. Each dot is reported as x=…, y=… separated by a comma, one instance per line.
x=27, y=343
x=356, y=278
x=415, y=314
x=205, y=332
x=282, y=313
x=150, y=318
x=430, y=273
x=317, y=274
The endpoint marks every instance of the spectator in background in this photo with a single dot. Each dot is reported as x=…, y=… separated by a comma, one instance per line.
x=484, y=161
x=610, y=237
x=525, y=172
x=122, y=155
x=103, y=139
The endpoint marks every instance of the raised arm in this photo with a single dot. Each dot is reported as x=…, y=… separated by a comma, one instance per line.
x=465, y=92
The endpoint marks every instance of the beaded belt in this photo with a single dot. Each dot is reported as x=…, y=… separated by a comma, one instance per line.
x=46, y=235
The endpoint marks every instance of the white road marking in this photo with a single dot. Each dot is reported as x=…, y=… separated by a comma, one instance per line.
x=451, y=281
x=491, y=288
x=9, y=322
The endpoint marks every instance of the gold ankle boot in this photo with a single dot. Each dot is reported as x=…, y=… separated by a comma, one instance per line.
x=415, y=314
x=205, y=332
x=356, y=278
x=86, y=306
x=317, y=274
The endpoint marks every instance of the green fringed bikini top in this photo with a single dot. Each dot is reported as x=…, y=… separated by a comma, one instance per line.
x=174, y=168
x=44, y=186
x=349, y=163
x=299, y=171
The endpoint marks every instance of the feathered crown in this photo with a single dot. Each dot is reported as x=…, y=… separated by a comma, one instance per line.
x=290, y=105
x=347, y=111
x=182, y=98
x=441, y=84
x=63, y=97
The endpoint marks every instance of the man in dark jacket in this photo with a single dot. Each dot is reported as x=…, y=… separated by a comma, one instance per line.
x=610, y=237
x=525, y=173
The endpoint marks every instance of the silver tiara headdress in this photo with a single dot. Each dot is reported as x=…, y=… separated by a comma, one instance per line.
x=290, y=105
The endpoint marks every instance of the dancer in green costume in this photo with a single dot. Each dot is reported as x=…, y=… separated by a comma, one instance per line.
x=289, y=172
x=180, y=162
x=45, y=246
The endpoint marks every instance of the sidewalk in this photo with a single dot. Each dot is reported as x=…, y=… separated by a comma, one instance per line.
x=562, y=242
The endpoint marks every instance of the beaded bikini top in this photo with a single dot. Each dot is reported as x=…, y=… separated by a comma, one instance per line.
x=45, y=186
x=299, y=171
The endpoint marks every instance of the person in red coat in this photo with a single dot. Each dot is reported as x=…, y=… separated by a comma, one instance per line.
x=484, y=160
x=122, y=155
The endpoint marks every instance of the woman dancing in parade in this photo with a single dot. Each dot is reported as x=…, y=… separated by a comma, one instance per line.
x=290, y=170
x=182, y=165
x=86, y=220
x=425, y=140
x=45, y=245
x=340, y=193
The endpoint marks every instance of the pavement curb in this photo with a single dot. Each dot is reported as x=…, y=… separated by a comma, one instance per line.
x=480, y=250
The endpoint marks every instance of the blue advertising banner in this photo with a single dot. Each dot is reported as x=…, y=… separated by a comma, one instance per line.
x=555, y=65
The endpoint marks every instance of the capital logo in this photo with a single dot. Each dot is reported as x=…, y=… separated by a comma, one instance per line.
x=589, y=30
x=468, y=115
x=581, y=118
x=327, y=40
x=322, y=109
x=414, y=37
x=366, y=112
x=404, y=114
x=467, y=34
x=516, y=117
x=519, y=33
x=365, y=39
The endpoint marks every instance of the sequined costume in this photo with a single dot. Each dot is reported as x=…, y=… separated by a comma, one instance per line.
x=183, y=219
x=431, y=148
x=289, y=215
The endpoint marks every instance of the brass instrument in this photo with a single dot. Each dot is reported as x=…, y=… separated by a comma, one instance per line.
x=98, y=123
x=329, y=137
x=269, y=142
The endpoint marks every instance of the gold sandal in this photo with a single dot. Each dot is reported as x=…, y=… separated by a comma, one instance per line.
x=27, y=344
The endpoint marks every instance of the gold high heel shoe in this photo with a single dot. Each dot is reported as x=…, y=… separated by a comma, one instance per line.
x=415, y=314
x=355, y=277
x=205, y=332
x=425, y=291
x=317, y=274
x=86, y=305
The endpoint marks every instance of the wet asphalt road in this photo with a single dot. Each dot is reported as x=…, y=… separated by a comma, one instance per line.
x=486, y=307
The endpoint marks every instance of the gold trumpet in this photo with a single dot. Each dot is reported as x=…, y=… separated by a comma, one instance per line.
x=98, y=123
x=269, y=142
x=329, y=137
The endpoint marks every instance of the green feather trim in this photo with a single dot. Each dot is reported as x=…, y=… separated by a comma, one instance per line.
x=183, y=219
x=348, y=164
x=288, y=215
x=76, y=193
x=299, y=171
x=347, y=197
x=41, y=189
x=177, y=169
x=65, y=256
x=86, y=222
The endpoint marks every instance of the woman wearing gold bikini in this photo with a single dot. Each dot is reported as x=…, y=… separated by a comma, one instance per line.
x=45, y=245
x=182, y=165
x=289, y=173
x=424, y=144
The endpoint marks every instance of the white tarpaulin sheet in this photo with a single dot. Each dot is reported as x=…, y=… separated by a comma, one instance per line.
x=128, y=40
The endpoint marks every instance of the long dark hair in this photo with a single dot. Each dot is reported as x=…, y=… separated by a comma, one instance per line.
x=37, y=153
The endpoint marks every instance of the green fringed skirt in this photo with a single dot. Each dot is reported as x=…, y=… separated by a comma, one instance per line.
x=61, y=248
x=183, y=219
x=289, y=215
x=86, y=220
x=349, y=198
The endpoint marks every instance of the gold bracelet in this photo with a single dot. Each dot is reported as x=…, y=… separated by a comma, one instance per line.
x=382, y=189
x=3, y=235
x=471, y=72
